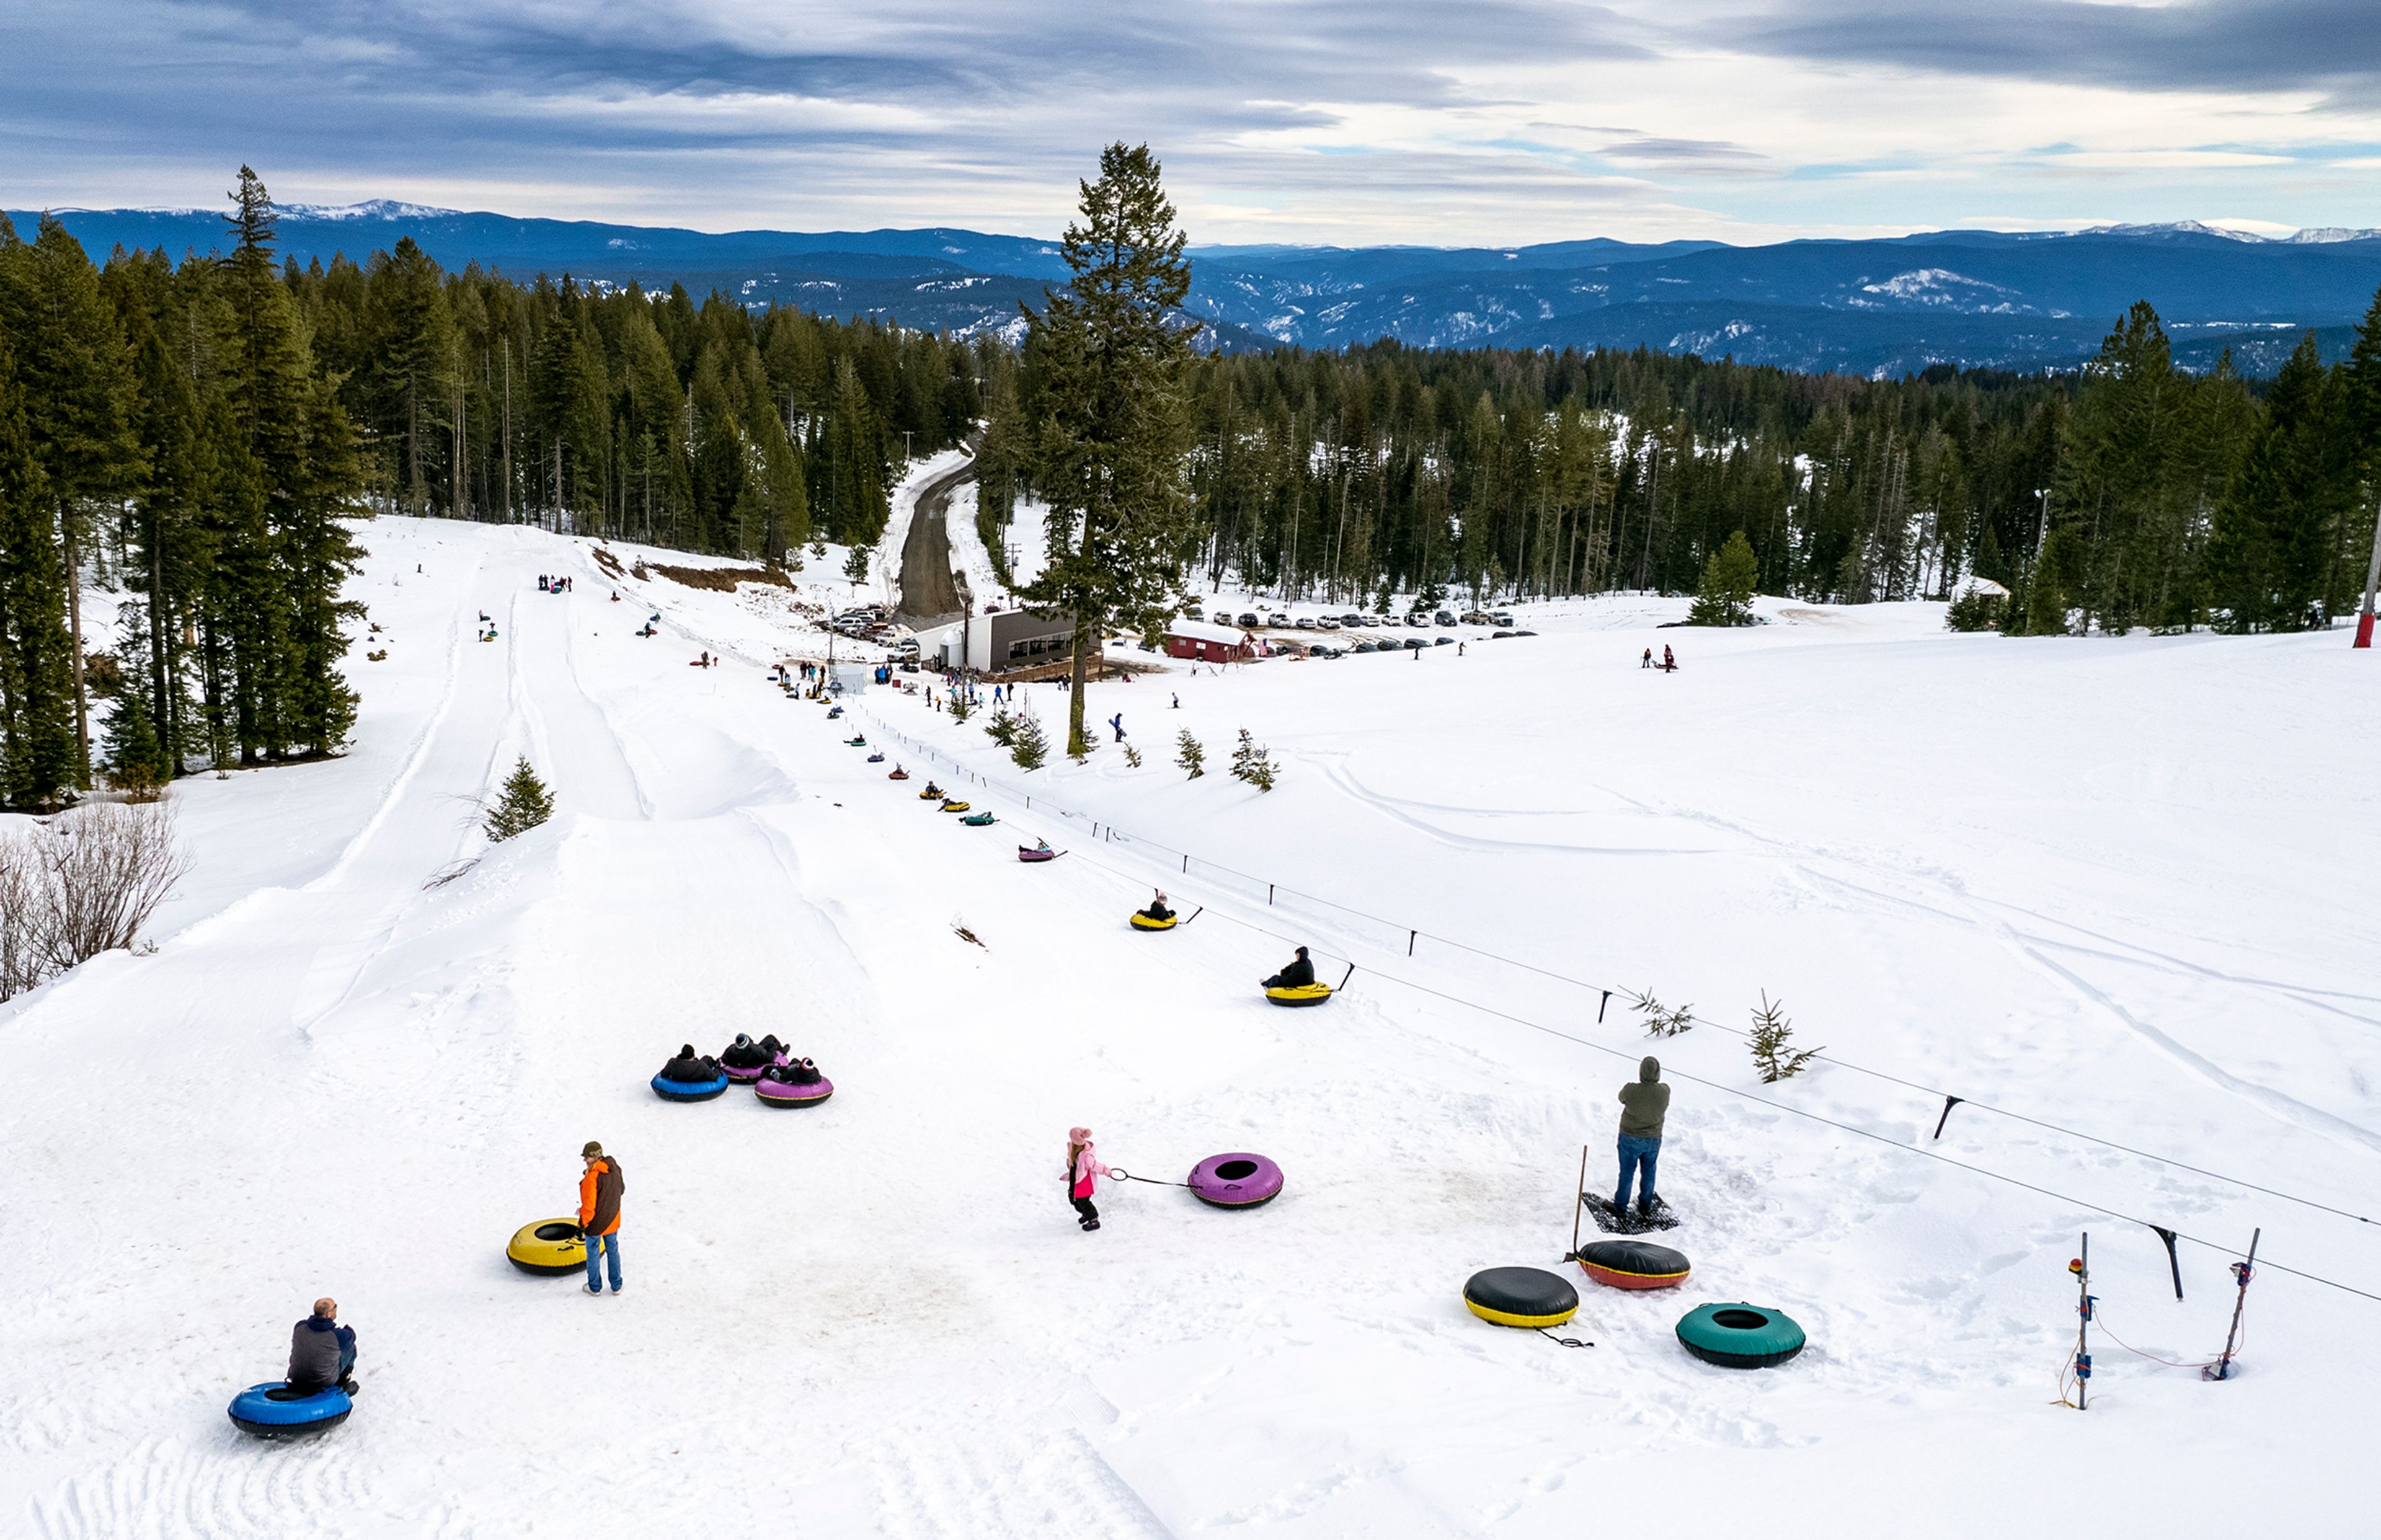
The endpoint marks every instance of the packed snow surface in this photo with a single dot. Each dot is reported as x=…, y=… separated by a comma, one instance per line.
x=2122, y=887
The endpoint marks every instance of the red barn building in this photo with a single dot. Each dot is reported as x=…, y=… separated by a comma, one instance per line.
x=1206, y=644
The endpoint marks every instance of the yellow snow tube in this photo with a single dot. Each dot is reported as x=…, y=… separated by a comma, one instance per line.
x=1302, y=995
x=928, y=796
x=1143, y=922
x=954, y=806
x=549, y=1247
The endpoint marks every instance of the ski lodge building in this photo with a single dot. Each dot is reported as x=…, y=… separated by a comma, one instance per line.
x=999, y=642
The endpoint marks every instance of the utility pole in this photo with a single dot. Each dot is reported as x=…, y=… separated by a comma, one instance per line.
x=2081, y=1268
x=2042, y=528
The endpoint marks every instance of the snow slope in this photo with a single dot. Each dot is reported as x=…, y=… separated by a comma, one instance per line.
x=2109, y=885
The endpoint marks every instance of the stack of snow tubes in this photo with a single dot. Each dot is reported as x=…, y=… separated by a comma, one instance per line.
x=1741, y=1336
x=1235, y=1180
x=792, y=1083
x=277, y=1410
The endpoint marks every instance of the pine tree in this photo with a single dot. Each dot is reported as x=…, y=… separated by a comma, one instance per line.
x=1660, y=1020
x=1731, y=578
x=2273, y=556
x=963, y=706
x=39, y=759
x=137, y=761
x=855, y=565
x=1252, y=764
x=1028, y=748
x=70, y=358
x=1002, y=728
x=1112, y=455
x=1132, y=756
x=1772, y=1034
x=523, y=805
x=413, y=344
x=1188, y=755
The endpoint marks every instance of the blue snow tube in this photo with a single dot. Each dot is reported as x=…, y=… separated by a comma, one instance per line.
x=275, y=1411
x=689, y=1090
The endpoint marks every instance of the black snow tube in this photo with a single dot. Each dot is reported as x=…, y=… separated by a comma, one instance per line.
x=1521, y=1297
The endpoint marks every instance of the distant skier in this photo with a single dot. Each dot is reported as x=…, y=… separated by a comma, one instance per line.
x=322, y=1352
x=1083, y=1172
x=1644, y=1103
x=1296, y=975
x=599, y=1213
x=1177, y=703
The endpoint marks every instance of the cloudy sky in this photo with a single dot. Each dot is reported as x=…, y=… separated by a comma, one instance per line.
x=1433, y=121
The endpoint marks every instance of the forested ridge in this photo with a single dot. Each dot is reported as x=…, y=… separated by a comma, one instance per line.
x=194, y=431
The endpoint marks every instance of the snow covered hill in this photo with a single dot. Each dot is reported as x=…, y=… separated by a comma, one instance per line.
x=2114, y=886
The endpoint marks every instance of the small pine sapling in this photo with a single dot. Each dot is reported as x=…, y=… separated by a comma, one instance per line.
x=1028, y=748
x=1772, y=1035
x=1660, y=1020
x=1132, y=756
x=1188, y=755
x=523, y=805
x=1002, y=728
x=963, y=706
x=1251, y=763
x=855, y=566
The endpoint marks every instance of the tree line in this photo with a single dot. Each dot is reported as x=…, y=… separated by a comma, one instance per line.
x=2127, y=493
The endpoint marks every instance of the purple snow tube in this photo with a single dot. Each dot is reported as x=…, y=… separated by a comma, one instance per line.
x=787, y=1093
x=1237, y=1179
x=743, y=1073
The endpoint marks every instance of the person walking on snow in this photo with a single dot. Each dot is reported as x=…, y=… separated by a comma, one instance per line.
x=1669, y=664
x=1649, y=659
x=1117, y=721
x=599, y=1213
x=1083, y=1172
x=1643, y=1106
x=322, y=1352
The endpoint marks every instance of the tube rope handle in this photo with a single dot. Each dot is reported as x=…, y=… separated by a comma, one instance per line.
x=1566, y=1342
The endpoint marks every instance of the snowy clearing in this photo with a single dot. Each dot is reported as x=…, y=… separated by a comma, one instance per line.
x=2113, y=884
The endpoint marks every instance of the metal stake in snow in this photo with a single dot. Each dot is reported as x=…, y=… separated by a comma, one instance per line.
x=2241, y=1273
x=2081, y=1268
x=2372, y=581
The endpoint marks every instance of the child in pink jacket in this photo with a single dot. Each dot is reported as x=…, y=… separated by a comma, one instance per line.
x=1083, y=1169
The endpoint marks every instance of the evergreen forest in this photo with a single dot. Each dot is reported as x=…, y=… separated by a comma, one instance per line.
x=201, y=433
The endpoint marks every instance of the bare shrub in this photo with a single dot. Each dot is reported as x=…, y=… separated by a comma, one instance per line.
x=20, y=907
x=100, y=873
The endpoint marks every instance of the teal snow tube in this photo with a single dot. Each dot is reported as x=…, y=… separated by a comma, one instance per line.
x=1741, y=1336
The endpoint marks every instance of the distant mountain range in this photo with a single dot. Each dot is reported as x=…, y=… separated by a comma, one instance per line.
x=1965, y=297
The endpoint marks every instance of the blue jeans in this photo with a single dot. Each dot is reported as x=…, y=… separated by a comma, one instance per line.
x=1636, y=1155
x=601, y=1246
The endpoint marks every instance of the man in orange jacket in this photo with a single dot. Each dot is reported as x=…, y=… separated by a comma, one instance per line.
x=599, y=1213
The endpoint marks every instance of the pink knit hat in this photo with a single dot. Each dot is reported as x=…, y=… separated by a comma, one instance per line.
x=1078, y=1135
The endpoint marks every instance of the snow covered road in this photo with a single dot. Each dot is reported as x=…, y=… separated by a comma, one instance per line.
x=2109, y=885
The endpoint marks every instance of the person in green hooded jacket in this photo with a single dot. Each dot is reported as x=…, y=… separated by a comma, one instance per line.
x=1644, y=1103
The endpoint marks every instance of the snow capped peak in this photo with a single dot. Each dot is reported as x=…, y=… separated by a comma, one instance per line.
x=372, y=208
x=2328, y=234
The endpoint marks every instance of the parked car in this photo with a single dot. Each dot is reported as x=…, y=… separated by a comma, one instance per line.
x=1373, y=620
x=1362, y=647
x=1500, y=618
x=1248, y=622
x=1221, y=618
x=1328, y=623
x=1277, y=618
x=1351, y=618
x=1525, y=633
x=1417, y=619
x=1475, y=617
x=1320, y=652
x=1305, y=622
x=1444, y=618
x=1417, y=642
x=1499, y=636
x=1442, y=642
